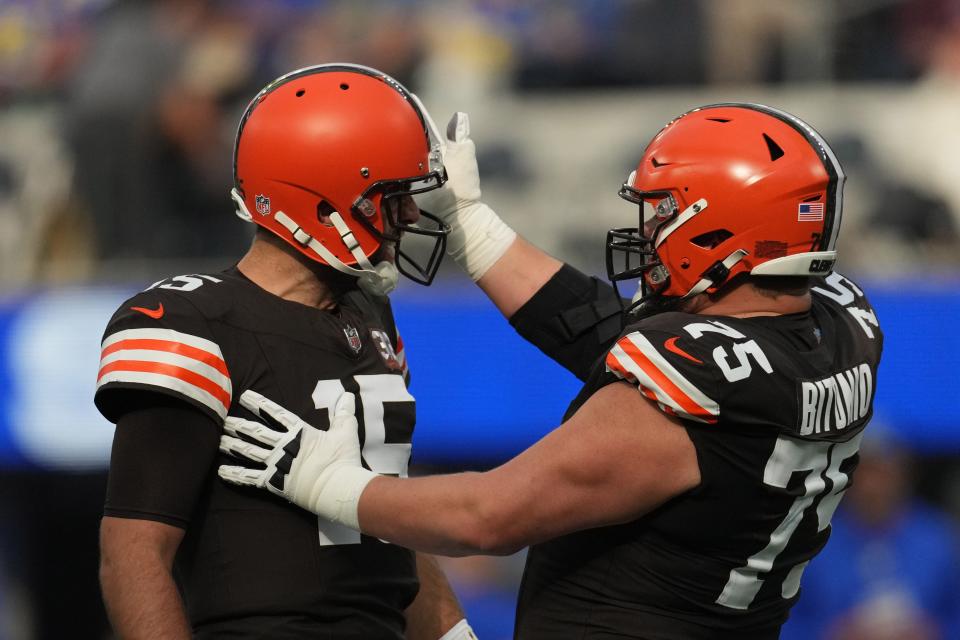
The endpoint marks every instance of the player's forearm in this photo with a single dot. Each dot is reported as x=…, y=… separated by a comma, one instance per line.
x=136, y=561
x=141, y=598
x=450, y=515
x=513, y=279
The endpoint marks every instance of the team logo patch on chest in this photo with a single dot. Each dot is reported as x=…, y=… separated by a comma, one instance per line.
x=385, y=349
x=353, y=338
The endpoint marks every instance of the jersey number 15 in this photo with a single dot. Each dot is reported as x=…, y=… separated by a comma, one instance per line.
x=387, y=458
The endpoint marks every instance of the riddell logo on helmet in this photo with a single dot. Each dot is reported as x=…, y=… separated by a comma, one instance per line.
x=263, y=204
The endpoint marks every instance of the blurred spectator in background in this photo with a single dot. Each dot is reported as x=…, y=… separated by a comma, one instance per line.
x=145, y=123
x=929, y=34
x=873, y=42
x=151, y=113
x=597, y=43
x=908, y=224
x=39, y=46
x=147, y=91
x=382, y=34
x=755, y=41
x=891, y=570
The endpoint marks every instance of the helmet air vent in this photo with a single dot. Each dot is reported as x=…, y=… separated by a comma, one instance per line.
x=657, y=165
x=300, y=93
x=720, y=120
x=775, y=151
x=711, y=239
x=344, y=86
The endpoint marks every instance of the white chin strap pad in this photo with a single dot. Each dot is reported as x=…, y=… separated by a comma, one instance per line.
x=377, y=280
x=381, y=280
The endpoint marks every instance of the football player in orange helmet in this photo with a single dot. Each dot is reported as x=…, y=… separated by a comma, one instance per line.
x=694, y=476
x=728, y=189
x=327, y=160
x=320, y=152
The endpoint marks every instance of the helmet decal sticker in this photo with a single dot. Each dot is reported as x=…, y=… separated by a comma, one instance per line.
x=263, y=204
x=810, y=212
x=770, y=249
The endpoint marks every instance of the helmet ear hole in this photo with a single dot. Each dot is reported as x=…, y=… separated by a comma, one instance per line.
x=711, y=239
x=324, y=210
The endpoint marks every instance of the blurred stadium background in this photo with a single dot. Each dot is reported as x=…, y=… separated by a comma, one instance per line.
x=116, y=129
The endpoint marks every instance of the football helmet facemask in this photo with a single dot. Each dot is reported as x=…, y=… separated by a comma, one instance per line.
x=320, y=151
x=727, y=189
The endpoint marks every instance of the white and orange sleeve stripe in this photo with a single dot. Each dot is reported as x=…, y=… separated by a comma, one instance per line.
x=635, y=359
x=180, y=362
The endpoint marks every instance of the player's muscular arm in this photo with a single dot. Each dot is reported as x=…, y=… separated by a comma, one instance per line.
x=161, y=457
x=616, y=459
x=136, y=558
x=517, y=275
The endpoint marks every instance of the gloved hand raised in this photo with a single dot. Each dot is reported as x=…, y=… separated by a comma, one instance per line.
x=478, y=237
x=319, y=471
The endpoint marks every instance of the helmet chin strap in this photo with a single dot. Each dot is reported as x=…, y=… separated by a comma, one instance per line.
x=377, y=280
x=722, y=269
x=700, y=286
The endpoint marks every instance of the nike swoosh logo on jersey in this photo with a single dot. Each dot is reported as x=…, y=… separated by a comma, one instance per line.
x=671, y=345
x=156, y=314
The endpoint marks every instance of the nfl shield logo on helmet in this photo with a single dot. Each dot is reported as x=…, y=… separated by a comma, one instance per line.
x=263, y=204
x=353, y=338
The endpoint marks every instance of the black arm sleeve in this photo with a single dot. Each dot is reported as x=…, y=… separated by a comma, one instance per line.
x=573, y=319
x=162, y=457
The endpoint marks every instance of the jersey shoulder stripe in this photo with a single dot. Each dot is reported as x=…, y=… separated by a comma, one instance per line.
x=172, y=360
x=634, y=359
x=402, y=358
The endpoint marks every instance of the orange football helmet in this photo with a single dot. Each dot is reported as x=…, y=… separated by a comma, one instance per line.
x=727, y=189
x=320, y=150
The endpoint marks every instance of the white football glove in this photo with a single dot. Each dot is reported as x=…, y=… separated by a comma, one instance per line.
x=478, y=237
x=319, y=471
